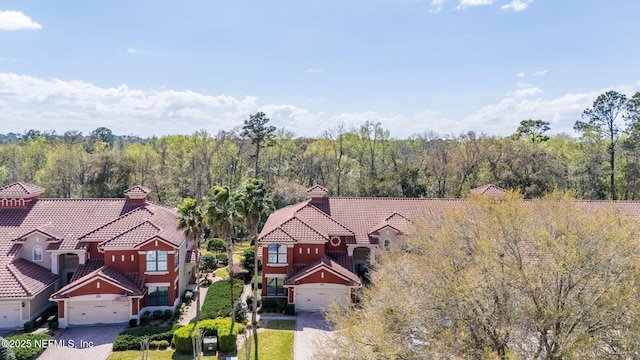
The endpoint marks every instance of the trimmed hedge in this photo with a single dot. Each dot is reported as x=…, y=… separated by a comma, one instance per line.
x=216, y=303
x=28, y=352
x=274, y=304
x=130, y=338
x=220, y=327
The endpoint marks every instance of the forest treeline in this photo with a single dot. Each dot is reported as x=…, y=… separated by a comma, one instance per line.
x=600, y=161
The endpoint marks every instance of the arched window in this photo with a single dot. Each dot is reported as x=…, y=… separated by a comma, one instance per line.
x=37, y=253
x=387, y=243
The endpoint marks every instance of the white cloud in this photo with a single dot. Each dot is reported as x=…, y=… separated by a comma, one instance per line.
x=466, y=3
x=540, y=72
x=436, y=6
x=16, y=20
x=525, y=92
x=521, y=74
x=133, y=51
x=312, y=70
x=27, y=102
x=517, y=5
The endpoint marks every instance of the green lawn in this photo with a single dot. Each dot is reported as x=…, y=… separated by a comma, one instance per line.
x=275, y=342
x=153, y=355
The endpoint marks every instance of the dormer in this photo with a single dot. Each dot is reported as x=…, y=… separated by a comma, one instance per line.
x=318, y=195
x=137, y=194
x=19, y=195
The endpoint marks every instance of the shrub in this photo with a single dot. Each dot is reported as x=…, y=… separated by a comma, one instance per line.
x=38, y=321
x=290, y=309
x=133, y=322
x=154, y=344
x=54, y=325
x=28, y=326
x=222, y=328
x=270, y=304
x=51, y=319
x=32, y=351
x=250, y=301
x=241, y=311
x=5, y=351
x=163, y=344
x=182, y=339
x=130, y=338
x=217, y=245
x=208, y=262
x=187, y=296
x=168, y=314
x=145, y=318
x=216, y=303
x=223, y=259
x=157, y=314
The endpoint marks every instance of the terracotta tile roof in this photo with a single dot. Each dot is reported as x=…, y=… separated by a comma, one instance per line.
x=301, y=231
x=326, y=262
x=134, y=236
x=20, y=189
x=132, y=284
x=52, y=233
x=277, y=236
x=22, y=278
x=317, y=191
x=399, y=223
x=118, y=225
x=489, y=190
x=137, y=190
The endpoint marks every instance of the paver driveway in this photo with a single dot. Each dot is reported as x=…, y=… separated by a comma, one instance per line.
x=311, y=329
x=94, y=342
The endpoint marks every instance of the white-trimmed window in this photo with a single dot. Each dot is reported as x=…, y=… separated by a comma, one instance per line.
x=156, y=260
x=158, y=296
x=277, y=254
x=37, y=253
x=275, y=286
x=387, y=243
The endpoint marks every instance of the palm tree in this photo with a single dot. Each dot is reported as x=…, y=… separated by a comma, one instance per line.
x=192, y=222
x=221, y=216
x=254, y=204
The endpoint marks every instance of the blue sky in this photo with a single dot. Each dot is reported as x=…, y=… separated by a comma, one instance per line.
x=448, y=66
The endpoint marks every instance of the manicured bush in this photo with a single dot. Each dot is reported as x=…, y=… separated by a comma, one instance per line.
x=28, y=326
x=182, y=339
x=223, y=259
x=221, y=327
x=163, y=344
x=168, y=314
x=133, y=322
x=208, y=262
x=157, y=314
x=154, y=344
x=51, y=319
x=290, y=309
x=271, y=304
x=28, y=352
x=144, y=320
x=216, y=303
x=38, y=321
x=187, y=296
x=250, y=301
x=130, y=338
x=54, y=326
x=217, y=245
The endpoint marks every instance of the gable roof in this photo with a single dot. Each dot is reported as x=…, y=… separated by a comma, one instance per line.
x=20, y=190
x=131, y=284
x=396, y=221
x=489, y=190
x=327, y=263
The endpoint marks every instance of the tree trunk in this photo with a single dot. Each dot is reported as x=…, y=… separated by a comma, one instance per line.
x=254, y=308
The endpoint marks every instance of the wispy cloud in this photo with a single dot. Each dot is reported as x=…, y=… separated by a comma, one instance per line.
x=312, y=70
x=134, y=51
x=16, y=20
x=521, y=74
x=517, y=5
x=525, y=92
x=466, y=3
x=540, y=72
x=436, y=6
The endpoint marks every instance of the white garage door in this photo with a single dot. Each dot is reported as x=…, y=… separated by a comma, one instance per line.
x=98, y=312
x=315, y=298
x=9, y=315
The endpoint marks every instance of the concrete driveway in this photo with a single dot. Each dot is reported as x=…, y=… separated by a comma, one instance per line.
x=81, y=343
x=311, y=331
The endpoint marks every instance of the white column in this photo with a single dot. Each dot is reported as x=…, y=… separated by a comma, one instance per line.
x=82, y=257
x=54, y=264
x=349, y=250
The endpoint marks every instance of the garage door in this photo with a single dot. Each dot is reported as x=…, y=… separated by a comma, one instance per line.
x=10, y=315
x=98, y=312
x=316, y=298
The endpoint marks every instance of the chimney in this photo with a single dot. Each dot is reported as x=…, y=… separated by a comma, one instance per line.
x=137, y=194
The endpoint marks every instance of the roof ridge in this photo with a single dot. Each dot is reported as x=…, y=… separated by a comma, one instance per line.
x=131, y=229
x=306, y=224
x=140, y=208
x=311, y=206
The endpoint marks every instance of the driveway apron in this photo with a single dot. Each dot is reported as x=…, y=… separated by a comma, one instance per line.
x=81, y=343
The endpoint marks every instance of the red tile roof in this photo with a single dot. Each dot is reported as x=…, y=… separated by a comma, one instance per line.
x=326, y=262
x=76, y=223
x=132, y=284
x=22, y=278
x=137, y=190
x=20, y=190
x=489, y=190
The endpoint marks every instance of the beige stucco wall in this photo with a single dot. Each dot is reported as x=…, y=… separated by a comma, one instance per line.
x=41, y=302
x=27, y=250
